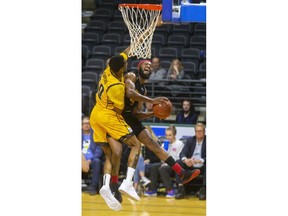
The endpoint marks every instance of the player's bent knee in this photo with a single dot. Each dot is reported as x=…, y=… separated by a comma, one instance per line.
x=132, y=141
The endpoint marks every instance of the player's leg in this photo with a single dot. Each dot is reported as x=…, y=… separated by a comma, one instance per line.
x=127, y=184
x=105, y=191
x=100, y=139
x=116, y=150
x=119, y=130
x=145, y=137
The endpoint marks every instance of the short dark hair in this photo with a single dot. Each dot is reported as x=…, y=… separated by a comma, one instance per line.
x=116, y=63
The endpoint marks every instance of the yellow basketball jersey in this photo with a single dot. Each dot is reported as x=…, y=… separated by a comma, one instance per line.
x=111, y=91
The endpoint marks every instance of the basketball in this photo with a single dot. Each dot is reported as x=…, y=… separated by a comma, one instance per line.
x=162, y=110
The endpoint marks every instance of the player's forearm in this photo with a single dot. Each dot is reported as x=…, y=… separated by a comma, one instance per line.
x=134, y=95
x=143, y=115
x=127, y=50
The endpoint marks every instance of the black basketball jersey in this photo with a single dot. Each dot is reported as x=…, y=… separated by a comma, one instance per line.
x=129, y=103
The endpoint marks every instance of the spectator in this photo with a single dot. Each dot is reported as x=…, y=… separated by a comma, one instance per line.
x=149, y=156
x=193, y=156
x=85, y=165
x=162, y=169
x=92, y=153
x=140, y=172
x=158, y=73
x=187, y=115
x=176, y=70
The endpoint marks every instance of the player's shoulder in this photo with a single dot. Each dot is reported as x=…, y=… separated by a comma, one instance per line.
x=131, y=75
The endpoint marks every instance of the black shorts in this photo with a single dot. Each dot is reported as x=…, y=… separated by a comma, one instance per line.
x=102, y=144
x=134, y=123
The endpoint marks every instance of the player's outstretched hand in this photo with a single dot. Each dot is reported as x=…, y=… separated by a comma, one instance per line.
x=159, y=21
x=159, y=100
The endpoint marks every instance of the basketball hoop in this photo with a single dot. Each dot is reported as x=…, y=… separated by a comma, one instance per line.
x=141, y=21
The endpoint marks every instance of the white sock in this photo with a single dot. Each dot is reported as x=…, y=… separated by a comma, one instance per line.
x=130, y=174
x=106, y=179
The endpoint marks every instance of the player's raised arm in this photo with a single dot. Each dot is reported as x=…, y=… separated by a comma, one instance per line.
x=131, y=93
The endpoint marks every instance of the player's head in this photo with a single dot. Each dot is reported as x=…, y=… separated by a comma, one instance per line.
x=117, y=64
x=144, y=69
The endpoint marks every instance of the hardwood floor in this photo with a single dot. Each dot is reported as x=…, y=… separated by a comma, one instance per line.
x=147, y=206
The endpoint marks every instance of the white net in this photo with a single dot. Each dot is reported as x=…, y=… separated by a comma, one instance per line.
x=141, y=23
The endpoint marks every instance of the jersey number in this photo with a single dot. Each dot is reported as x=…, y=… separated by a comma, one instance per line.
x=100, y=91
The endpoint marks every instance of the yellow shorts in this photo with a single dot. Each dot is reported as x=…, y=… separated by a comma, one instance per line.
x=104, y=122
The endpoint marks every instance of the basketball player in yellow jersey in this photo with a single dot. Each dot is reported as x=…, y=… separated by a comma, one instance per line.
x=108, y=125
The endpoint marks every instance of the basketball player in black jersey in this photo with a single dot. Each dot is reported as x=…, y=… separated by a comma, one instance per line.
x=134, y=97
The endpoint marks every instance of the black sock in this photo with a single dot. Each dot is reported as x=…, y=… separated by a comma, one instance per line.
x=170, y=161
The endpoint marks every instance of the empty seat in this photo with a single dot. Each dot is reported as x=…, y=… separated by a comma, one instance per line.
x=158, y=40
x=86, y=100
x=90, y=75
x=104, y=14
x=200, y=29
x=119, y=49
x=89, y=82
x=101, y=51
x=165, y=65
x=94, y=64
x=98, y=26
x=112, y=39
x=168, y=53
x=184, y=29
x=198, y=41
x=190, y=53
x=164, y=30
x=90, y=39
x=85, y=54
x=153, y=52
x=117, y=15
x=127, y=39
x=179, y=41
x=117, y=27
x=190, y=69
x=109, y=4
x=202, y=70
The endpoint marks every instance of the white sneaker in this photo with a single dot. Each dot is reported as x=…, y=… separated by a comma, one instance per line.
x=128, y=189
x=145, y=181
x=110, y=200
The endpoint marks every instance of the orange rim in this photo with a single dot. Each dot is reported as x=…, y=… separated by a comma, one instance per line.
x=143, y=6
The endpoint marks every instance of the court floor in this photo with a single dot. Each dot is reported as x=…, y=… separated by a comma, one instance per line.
x=147, y=206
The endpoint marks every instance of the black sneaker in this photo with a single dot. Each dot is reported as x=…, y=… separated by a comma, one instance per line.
x=188, y=175
x=115, y=192
x=181, y=193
